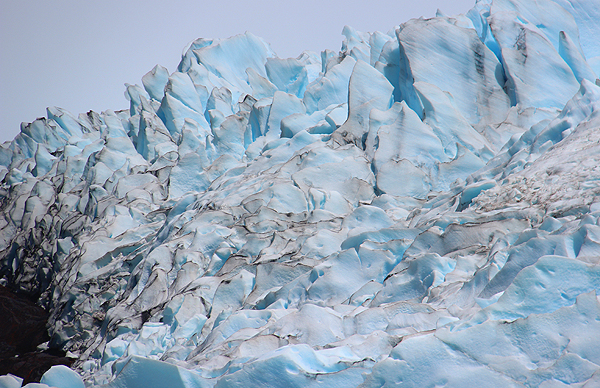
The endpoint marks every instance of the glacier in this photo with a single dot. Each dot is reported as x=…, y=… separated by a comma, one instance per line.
x=420, y=209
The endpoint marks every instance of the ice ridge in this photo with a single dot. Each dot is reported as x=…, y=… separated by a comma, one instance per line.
x=419, y=209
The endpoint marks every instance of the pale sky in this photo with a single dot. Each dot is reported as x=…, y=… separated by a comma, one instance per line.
x=78, y=55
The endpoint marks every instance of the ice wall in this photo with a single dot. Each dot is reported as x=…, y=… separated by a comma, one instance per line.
x=419, y=209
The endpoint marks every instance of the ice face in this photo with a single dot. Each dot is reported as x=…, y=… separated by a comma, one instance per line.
x=585, y=14
x=418, y=209
x=472, y=74
x=60, y=376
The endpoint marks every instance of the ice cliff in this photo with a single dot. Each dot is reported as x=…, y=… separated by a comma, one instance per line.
x=420, y=209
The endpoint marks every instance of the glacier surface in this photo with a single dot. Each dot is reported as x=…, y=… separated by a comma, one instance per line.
x=420, y=209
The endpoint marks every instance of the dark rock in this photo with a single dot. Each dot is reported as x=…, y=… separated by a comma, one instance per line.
x=22, y=329
x=31, y=366
x=23, y=324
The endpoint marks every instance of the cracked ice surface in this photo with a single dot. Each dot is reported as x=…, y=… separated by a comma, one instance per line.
x=419, y=209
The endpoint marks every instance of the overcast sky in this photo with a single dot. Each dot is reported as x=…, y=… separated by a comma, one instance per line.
x=78, y=54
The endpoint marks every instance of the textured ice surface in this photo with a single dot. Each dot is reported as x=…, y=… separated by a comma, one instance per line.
x=419, y=209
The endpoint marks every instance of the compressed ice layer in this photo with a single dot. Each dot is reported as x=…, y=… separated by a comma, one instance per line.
x=418, y=209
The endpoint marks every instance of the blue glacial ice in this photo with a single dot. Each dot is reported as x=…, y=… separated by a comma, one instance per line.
x=419, y=209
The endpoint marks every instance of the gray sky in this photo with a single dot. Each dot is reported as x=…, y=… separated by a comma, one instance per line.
x=78, y=54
